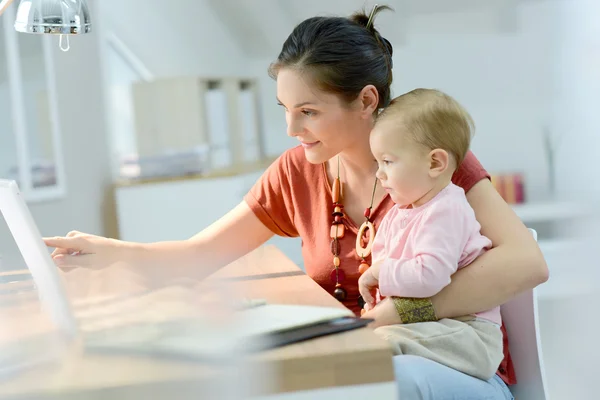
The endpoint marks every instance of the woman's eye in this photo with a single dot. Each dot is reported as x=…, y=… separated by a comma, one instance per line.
x=308, y=113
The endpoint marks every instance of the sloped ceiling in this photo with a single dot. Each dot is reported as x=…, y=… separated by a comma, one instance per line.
x=260, y=26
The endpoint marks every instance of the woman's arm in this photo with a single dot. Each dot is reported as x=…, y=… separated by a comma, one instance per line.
x=513, y=265
x=267, y=209
x=232, y=236
x=229, y=238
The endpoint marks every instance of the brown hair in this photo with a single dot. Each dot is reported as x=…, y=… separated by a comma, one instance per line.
x=342, y=55
x=434, y=119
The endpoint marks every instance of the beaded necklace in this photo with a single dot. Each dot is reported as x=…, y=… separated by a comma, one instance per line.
x=337, y=232
x=338, y=228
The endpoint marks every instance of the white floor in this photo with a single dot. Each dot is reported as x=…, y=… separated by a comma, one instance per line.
x=569, y=329
x=569, y=304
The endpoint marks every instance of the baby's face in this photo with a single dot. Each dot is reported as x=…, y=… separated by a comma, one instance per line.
x=403, y=163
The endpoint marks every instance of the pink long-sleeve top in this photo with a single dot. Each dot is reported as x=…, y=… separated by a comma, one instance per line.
x=420, y=248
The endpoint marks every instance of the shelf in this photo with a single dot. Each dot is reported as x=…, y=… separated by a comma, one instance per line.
x=549, y=211
x=558, y=245
x=227, y=172
x=572, y=267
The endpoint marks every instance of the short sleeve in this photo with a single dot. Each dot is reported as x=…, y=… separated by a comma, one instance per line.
x=271, y=198
x=469, y=173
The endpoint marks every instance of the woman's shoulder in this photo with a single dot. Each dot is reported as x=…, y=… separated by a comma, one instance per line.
x=469, y=172
x=295, y=155
x=293, y=163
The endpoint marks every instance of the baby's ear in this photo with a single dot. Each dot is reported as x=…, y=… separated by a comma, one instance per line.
x=439, y=162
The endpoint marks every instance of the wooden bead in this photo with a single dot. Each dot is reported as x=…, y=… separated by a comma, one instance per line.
x=337, y=219
x=335, y=190
x=335, y=247
x=337, y=275
x=336, y=261
x=364, y=251
x=337, y=209
x=363, y=267
x=367, y=212
x=340, y=294
x=337, y=231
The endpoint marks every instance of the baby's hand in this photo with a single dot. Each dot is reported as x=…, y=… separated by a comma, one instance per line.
x=367, y=286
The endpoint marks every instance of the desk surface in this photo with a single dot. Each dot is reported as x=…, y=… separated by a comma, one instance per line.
x=350, y=358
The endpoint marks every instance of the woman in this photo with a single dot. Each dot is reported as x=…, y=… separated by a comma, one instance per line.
x=333, y=76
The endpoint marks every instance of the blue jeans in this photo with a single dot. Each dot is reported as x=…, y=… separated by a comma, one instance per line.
x=421, y=379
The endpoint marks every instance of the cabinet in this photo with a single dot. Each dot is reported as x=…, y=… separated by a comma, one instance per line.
x=177, y=115
x=178, y=209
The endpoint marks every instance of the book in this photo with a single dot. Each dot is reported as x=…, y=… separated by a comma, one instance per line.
x=251, y=330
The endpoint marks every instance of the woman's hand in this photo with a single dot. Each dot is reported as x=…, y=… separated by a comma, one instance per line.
x=83, y=250
x=384, y=314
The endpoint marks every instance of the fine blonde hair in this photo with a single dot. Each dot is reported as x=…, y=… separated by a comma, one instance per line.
x=434, y=119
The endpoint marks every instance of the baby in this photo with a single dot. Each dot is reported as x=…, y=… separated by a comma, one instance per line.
x=419, y=140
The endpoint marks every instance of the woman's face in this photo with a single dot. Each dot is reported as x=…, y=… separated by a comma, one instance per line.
x=323, y=123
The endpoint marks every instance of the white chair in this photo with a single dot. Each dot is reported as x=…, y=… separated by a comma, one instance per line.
x=520, y=317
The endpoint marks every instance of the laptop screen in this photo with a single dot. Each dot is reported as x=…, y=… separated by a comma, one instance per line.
x=18, y=220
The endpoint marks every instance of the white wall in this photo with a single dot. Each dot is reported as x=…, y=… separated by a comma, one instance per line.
x=517, y=71
x=80, y=102
x=505, y=80
x=174, y=38
x=273, y=118
x=577, y=74
x=571, y=346
x=503, y=74
x=119, y=78
x=505, y=62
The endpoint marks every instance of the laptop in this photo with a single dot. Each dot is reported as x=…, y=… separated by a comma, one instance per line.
x=275, y=325
x=35, y=254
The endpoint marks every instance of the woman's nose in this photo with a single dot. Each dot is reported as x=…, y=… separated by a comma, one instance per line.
x=294, y=127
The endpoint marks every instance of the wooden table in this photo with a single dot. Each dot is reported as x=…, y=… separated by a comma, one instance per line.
x=319, y=368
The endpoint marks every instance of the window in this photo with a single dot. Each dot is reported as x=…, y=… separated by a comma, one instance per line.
x=30, y=151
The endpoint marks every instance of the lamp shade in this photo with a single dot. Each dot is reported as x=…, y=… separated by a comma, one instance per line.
x=61, y=17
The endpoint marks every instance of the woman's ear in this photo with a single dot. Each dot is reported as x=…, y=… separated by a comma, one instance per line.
x=368, y=100
x=439, y=162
